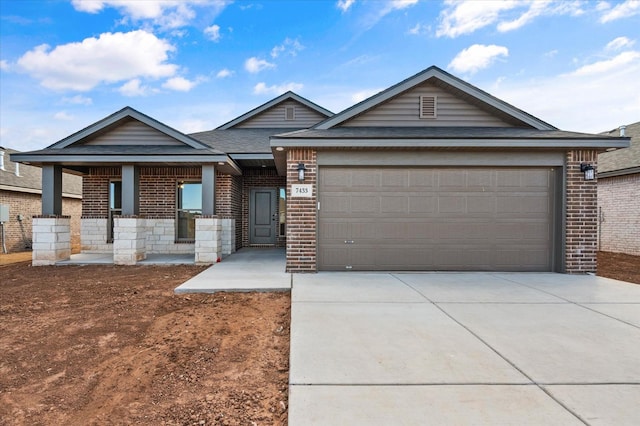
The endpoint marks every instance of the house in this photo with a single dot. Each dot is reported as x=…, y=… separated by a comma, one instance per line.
x=20, y=197
x=619, y=194
x=429, y=174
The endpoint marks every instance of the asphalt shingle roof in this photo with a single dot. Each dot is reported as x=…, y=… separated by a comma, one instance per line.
x=625, y=158
x=238, y=141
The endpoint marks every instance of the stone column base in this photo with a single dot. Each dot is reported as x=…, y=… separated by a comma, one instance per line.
x=208, y=240
x=129, y=240
x=51, y=239
x=228, y=236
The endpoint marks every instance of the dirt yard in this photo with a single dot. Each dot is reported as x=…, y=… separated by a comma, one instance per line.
x=114, y=345
x=619, y=266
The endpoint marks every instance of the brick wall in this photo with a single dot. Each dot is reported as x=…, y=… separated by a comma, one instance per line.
x=158, y=189
x=259, y=178
x=582, y=214
x=229, y=201
x=619, y=204
x=19, y=235
x=302, y=214
x=95, y=191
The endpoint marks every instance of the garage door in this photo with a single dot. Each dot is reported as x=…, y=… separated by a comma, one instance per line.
x=483, y=219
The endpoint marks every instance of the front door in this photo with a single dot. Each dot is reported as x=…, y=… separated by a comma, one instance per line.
x=263, y=218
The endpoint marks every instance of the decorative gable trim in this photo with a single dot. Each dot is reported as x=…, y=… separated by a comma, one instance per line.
x=115, y=119
x=284, y=97
x=436, y=73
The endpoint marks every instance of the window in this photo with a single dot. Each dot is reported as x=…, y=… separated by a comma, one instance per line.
x=115, y=205
x=188, y=207
x=282, y=211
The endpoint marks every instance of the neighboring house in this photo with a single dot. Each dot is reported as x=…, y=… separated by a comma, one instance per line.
x=20, y=194
x=619, y=194
x=430, y=174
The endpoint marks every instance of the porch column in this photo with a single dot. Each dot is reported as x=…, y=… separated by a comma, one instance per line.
x=130, y=190
x=51, y=190
x=208, y=190
x=51, y=239
x=208, y=240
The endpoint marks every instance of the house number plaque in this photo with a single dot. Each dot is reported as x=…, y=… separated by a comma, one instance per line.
x=302, y=190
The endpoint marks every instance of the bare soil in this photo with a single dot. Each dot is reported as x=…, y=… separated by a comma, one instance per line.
x=619, y=266
x=113, y=345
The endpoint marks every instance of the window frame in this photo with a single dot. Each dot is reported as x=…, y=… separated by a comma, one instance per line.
x=196, y=212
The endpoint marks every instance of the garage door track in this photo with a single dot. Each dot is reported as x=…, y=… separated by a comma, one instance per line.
x=464, y=348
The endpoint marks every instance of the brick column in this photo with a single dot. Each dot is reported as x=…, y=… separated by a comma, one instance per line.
x=228, y=236
x=51, y=239
x=208, y=240
x=129, y=240
x=302, y=213
x=581, y=239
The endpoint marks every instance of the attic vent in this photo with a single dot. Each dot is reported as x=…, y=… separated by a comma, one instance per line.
x=290, y=113
x=428, y=106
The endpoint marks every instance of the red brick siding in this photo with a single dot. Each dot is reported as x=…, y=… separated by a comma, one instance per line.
x=229, y=201
x=302, y=214
x=581, y=215
x=18, y=235
x=95, y=191
x=158, y=189
x=619, y=204
x=258, y=178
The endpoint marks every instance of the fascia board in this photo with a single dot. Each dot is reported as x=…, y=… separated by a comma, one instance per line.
x=251, y=156
x=67, y=158
x=448, y=143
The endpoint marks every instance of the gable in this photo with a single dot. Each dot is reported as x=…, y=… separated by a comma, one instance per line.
x=287, y=114
x=131, y=132
x=426, y=105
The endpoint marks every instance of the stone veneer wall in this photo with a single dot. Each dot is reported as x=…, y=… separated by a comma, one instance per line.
x=619, y=204
x=302, y=214
x=93, y=234
x=581, y=238
x=51, y=239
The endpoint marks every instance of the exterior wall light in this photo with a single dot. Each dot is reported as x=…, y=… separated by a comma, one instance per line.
x=588, y=170
x=301, y=169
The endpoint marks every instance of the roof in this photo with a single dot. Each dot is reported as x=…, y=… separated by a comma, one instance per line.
x=233, y=141
x=270, y=104
x=30, y=179
x=448, y=82
x=622, y=161
x=445, y=137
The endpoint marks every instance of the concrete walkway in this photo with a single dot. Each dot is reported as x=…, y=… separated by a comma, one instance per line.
x=248, y=269
x=464, y=348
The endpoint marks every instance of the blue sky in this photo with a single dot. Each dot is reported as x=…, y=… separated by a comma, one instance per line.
x=195, y=64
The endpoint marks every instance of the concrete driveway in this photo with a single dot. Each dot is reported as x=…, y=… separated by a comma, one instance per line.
x=464, y=348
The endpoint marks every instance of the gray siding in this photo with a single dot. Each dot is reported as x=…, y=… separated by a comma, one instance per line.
x=275, y=117
x=133, y=133
x=404, y=111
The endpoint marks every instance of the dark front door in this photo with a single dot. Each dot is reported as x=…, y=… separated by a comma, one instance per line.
x=263, y=218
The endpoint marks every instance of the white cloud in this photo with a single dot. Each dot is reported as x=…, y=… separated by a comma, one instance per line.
x=465, y=17
x=4, y=65
x=477, y=57
x=589, y=99
x=167, y=14
x=77, y=100
x=620, y=43
x=134, y=88
x=551, y=53
x=345, y=5
x=263, y=89
x=179, y=84
x=111, y=58
x=380, y=9
x=363, y=94
x=624, y=59
x=623, y=10
x=224, y=73
x=213, y=32
x=289, y=46
x=63, y=115
x=419, y=29
x=460, y=18
x=255, y=65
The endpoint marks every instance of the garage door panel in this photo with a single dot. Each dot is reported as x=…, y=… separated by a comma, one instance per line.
x=436, y=219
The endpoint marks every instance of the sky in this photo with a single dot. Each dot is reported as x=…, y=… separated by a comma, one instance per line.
x=196, y=64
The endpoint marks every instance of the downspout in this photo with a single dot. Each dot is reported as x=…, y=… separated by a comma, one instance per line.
x=4, y=246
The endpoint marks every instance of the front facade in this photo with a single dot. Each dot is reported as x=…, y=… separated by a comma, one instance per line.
x=619, y=195
x=430, y=174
